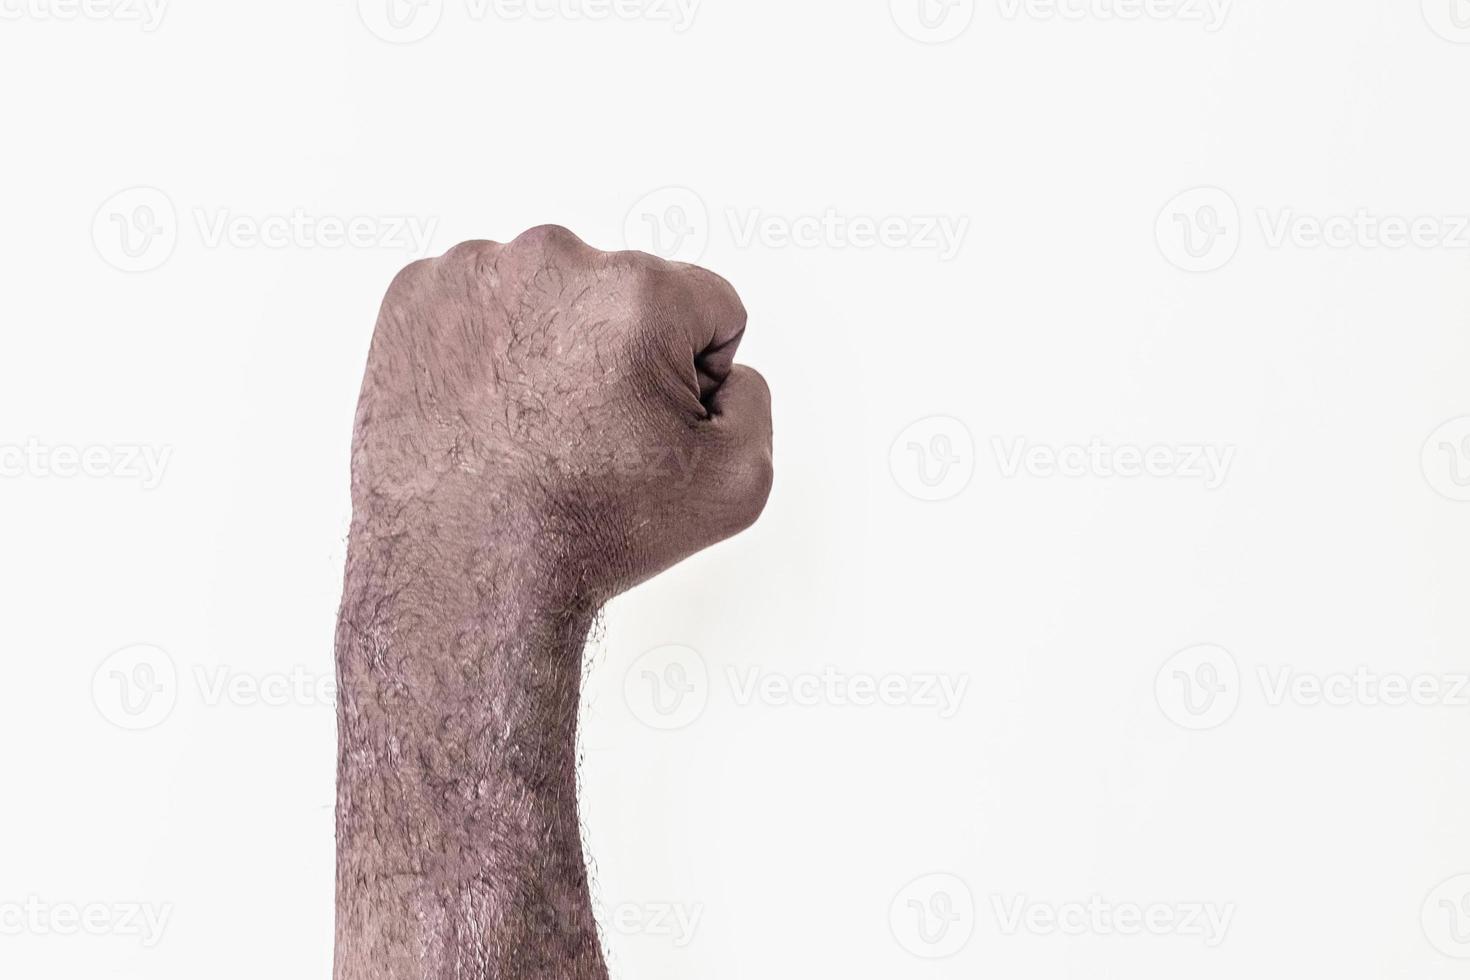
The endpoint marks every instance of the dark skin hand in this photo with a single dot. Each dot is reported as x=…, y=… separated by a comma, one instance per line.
x=541, y=426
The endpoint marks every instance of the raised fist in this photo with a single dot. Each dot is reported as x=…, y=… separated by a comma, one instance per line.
x=577, y=403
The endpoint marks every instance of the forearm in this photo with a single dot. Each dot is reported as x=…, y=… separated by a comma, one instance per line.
x=459, y=851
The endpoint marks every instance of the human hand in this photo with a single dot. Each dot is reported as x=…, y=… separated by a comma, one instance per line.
x=588, y=401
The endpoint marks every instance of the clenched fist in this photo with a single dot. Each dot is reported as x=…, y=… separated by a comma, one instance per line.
x=590, y=395
x=541, y=426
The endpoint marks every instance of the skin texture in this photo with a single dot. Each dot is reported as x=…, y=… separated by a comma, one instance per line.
x=541, y=426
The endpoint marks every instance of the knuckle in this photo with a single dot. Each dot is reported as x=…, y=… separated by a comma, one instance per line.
x=639, y=265
x=715, y=286
x=410, y=276
x=469, y=253
x=715, y=299
x=548, y=238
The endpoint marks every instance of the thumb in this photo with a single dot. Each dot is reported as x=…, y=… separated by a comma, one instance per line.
x=738, y=434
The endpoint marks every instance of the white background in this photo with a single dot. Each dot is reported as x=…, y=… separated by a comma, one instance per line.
x=1096, y=294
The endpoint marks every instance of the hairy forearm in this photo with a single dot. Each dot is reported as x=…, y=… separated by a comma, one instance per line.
x=459, y=854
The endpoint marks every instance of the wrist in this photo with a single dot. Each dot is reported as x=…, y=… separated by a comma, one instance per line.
x=512, y=536
x=448, y=621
